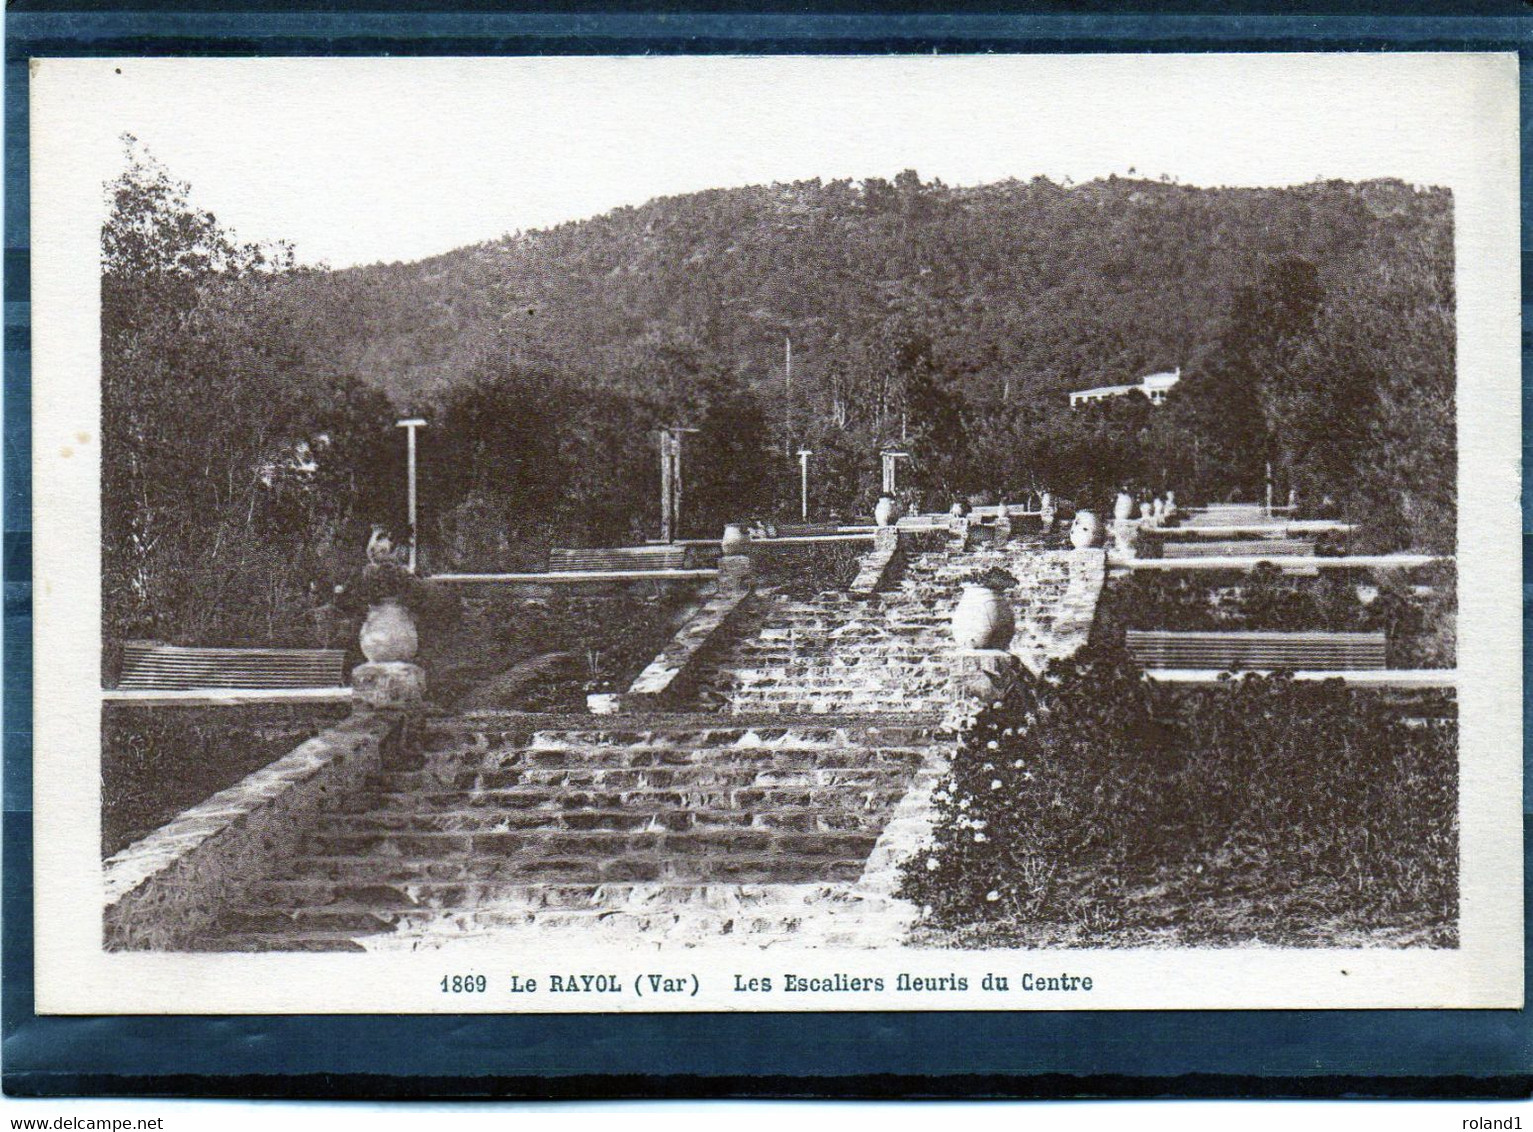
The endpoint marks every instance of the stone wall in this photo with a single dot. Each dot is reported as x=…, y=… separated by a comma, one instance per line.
x=166, y=888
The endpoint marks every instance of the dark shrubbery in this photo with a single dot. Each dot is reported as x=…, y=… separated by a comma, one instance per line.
x=1419, y=626
x=808, y=568
x=156, y=762
x=1098, y=807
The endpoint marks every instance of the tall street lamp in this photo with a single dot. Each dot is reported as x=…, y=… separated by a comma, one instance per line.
x=410, y=426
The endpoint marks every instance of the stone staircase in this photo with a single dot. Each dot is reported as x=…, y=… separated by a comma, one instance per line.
x=779, y=817
x=833, y=653
x=658, y=831
x=893, y=651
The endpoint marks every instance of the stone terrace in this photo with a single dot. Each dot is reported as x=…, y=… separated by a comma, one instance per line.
x=777, y=814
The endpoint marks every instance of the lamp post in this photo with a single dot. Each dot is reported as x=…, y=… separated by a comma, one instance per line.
x=670, y=481
x=410, y=426
x=803, y=482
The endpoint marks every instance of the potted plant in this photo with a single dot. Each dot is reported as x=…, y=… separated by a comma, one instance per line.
x=394, y=601
x=983, y=619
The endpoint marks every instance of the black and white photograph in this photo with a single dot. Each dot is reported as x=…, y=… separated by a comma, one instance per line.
x=778, y=534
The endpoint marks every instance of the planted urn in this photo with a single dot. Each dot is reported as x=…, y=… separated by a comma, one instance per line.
x=735, y=540
x=886, y=511
x=388, y=632
x=983, y=618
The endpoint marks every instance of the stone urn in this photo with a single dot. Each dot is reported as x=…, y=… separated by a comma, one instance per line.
x=886, y=511
x=735, y=540
x=982, y=619
x=1123, y=507
x=1086, y=530
x=1047, y=513
x=1170, y=503
x=1158, y=511
x=388, y=633
x=1146, y=509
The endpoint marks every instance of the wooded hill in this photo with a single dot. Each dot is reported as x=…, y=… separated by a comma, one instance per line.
x=248, y=405
x=1024, y=289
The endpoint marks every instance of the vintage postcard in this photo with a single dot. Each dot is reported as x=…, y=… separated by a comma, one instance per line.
x=777, y=534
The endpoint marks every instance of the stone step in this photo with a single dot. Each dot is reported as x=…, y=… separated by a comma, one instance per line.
x=695, y=845
x=741, y=737
x=594, y=818
x=841, y=862
x=335, y=921
x=881, y=790
x=695, y=777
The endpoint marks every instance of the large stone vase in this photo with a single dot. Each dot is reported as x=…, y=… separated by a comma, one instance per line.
x=735, y=540
x=1123, y=506
x=1086, y=530
x=982, y=619
x=388, y=633
x=886, y=511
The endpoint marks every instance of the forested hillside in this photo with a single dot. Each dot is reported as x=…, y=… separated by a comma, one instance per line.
x=1022, y=289
x=1313, y=325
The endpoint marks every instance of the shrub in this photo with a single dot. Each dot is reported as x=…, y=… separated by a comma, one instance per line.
x=1094, y=784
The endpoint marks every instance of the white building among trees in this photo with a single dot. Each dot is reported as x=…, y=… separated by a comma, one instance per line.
x=1153, y=386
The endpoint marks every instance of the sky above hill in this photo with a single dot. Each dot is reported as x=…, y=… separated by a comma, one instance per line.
x=365, y=160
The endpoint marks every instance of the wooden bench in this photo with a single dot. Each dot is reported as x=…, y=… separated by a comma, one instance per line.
x=1228, y=650
x=1240, y=548
x=607, y=559
x=151, y=665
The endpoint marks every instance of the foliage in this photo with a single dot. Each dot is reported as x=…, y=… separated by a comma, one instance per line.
x=157, y=761
x=248, y=406
x=992, y=579
x=233, y=471
x=1419, y=626
x=1092, y=797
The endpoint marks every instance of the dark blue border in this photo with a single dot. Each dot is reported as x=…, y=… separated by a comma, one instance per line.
x=1202, y=1053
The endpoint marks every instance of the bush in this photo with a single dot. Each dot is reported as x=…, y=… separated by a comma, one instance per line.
x=158, y=761
x=1419, y=626
x=808, y=568
x=1096, y=803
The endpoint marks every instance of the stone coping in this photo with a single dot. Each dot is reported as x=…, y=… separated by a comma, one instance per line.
x=219, y=697
x=162, y=889
x=666, y=674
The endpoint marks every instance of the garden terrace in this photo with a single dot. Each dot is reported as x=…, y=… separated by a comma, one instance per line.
x=1416, y=613
x=1101, y=809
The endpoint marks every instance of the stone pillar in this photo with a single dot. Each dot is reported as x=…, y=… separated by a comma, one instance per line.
x=734, y=573
x=389, y=684
x=1124, y=538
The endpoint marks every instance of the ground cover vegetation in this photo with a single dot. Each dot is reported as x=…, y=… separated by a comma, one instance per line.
x=155, y=762
x=1415, y=611
x=249, y=403
x=1097, y=808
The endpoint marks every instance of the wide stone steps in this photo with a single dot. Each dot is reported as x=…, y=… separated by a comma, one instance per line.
x=496, y=825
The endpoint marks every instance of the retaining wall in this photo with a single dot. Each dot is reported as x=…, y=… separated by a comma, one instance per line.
x=164, y=889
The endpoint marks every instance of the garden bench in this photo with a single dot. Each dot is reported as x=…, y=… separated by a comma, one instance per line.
x=1237, y=548
x=1226, y=650
x=151, y=665
x=608, y=559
